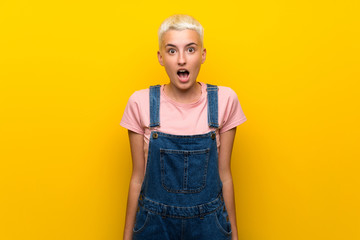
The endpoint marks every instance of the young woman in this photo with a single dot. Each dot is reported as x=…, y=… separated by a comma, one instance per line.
x=181, y=136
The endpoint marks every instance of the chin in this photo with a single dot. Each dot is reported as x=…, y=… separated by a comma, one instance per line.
x=186, y=85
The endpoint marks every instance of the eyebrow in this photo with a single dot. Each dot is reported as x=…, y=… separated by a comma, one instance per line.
x=172, y=45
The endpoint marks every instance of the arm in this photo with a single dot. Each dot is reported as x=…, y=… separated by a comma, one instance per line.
x=227, y=141
x=138, y=170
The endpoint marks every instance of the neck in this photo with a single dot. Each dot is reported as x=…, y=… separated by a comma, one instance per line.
x=183, y=96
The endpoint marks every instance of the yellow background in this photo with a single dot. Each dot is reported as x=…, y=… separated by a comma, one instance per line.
x=67, y=69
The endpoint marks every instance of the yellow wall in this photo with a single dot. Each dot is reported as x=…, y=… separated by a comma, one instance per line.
x=67, y=69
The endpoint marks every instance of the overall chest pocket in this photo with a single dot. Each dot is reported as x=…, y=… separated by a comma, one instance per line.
x=184, y=171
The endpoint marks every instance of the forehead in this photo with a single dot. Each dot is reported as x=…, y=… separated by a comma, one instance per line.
x=180, y=37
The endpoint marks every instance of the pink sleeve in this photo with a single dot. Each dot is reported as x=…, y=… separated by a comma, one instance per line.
x=132, y=115
x=230, y=107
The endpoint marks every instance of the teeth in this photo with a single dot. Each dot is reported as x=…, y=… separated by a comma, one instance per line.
x=182, y=70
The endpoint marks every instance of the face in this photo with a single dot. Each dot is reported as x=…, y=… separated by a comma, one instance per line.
x=182, y=54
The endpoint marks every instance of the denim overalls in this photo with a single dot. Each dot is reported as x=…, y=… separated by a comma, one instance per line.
x=181, y=195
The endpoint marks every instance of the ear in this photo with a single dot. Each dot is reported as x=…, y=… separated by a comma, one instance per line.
x=203, y=55
x=160, y=58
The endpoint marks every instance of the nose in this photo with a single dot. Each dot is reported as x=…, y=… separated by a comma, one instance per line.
x=181, y=59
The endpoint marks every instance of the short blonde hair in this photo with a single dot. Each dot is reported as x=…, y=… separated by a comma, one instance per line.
x=180, y=22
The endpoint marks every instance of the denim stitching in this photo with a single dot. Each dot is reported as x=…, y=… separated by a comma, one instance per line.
x=212, y=107
x=183, y=217
x=154, y=105
x=186, y=153
x=201, y=151
x=205, y=135
x=217, y=199
x=221, y=227
x=143, y=226
x=218, y=203
x=186, y=167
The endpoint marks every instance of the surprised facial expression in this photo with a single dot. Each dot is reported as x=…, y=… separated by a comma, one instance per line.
x=182, y=54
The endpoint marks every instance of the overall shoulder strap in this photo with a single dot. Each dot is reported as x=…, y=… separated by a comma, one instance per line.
x=212, y=97
x=154, y=103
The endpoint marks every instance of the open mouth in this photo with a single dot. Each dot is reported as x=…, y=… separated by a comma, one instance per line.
x=183, y=75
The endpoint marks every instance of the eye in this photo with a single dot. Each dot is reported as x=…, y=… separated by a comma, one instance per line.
x=191, y=49
x=171, y=51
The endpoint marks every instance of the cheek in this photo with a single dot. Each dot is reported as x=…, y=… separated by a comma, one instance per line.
x=196, y=63
x=169, y=69
x=169, y=62
x=197, y=59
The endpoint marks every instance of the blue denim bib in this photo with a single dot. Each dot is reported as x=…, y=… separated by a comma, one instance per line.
x=182, y=186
